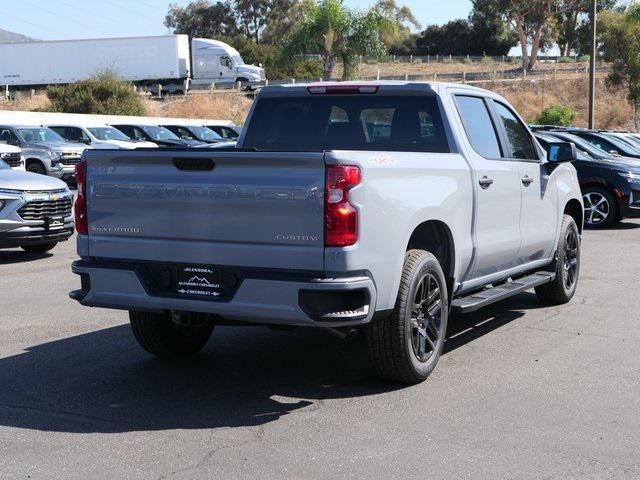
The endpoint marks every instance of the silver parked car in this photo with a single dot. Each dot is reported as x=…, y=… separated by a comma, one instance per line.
x=35, y=211
x=45, y=152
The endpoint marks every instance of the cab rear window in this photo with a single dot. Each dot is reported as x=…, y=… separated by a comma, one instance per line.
x=348, y=122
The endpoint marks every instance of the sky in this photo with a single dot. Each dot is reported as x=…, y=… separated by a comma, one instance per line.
x=67, y=19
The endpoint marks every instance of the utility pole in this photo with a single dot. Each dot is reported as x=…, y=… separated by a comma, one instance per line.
x=592, y=65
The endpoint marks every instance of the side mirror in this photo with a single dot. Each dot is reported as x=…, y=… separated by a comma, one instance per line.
x=84, y=140
x=560, y=152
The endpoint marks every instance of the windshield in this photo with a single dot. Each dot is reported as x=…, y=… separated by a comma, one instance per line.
x=582, y=145
x=39, y=135
x=203, y=133
x=108, y=133
x=237, y=60
x=159, y=133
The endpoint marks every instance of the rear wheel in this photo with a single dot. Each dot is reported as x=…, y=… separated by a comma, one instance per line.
x=406, y=345
x=42, y=248
x=599, y=207
x=163, y=335
x=566, y=266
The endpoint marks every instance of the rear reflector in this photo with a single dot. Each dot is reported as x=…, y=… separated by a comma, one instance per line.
x=343, y=89
x=341, y=217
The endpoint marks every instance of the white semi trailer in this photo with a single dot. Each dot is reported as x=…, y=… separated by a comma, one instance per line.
x=147, y=61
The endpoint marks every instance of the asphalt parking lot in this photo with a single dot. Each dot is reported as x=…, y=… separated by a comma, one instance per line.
x=522, y=391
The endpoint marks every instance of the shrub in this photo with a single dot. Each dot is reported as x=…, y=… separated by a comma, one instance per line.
x=559, y=114
x=584, y=58
x=372, y=61
x=270, y=57
x=565, y=60
x=103, y=94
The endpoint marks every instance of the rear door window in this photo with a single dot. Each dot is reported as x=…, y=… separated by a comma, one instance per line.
x=478, y=126
x=348, y=122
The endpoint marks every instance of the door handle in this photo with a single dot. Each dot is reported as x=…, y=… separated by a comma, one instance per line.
x=485, y=182
x=527, y=180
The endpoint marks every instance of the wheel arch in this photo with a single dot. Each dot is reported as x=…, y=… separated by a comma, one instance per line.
x=31, y=160
x=436, y=237
x=575, y=210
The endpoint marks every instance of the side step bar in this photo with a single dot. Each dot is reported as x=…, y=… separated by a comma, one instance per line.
x=488, y=296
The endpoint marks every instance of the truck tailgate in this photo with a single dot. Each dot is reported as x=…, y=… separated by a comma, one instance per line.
x=253, y=209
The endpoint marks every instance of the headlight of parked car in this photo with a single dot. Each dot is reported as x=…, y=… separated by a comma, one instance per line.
x=54, y=155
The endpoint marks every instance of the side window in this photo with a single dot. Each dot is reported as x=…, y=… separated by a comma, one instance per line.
x=602, y=144
x=8, y=137
x=138, y=133
x=184, y=133
x=479, y=126
x=225, y=61
x=520, y=141
x=126, y=130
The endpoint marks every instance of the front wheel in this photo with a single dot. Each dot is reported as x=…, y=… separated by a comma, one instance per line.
x=566, y=266
x=406, y=345
x=599, y=207
x=160, y=335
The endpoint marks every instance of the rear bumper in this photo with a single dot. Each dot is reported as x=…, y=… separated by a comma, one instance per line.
x=276, y=298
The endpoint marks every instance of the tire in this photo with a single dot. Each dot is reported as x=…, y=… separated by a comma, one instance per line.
x=600, y=210
x=566, y=266
x=406, y=345
x=36, y=167
x=41, y=248
x=160, y=336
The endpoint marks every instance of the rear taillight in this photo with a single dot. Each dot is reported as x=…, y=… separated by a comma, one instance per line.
x=340, y=216
x=80, y=174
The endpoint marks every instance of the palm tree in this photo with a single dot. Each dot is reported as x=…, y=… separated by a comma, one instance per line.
x=337, y=32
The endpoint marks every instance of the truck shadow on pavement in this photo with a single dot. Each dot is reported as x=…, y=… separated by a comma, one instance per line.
x=103, y=382
x=8, y=257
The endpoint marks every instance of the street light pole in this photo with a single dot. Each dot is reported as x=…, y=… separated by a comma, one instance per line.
x=592, y=65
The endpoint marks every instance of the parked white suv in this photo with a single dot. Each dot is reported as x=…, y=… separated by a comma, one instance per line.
x=98, y=136
x=12, y=156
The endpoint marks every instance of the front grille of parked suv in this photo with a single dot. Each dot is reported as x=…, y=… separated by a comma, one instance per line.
x=70, y=158
x=39, y=210
x=11, y=159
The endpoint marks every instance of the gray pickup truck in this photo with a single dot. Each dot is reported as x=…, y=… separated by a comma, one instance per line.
x=372, y=207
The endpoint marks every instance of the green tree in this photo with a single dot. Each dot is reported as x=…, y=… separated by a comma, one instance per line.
x=452, y=38
x=574, y=25
x=404, y=18
x=202, y=18
x=254, y=15
x=559, y=114
x=534, y=22
x=490, y=33
x=103, y=94
x=337, y=32
x=620, y=36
